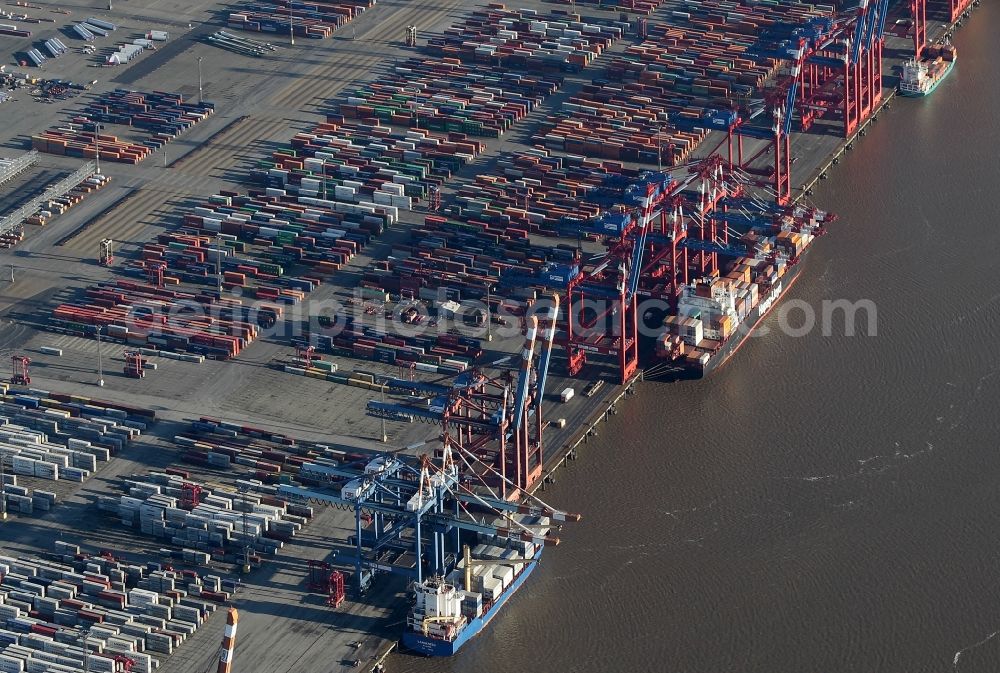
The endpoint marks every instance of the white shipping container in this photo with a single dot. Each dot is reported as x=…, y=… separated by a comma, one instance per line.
x=492, y=588
x=567, y=394
x=10, y=664
x=341, y=193
x=505, y=574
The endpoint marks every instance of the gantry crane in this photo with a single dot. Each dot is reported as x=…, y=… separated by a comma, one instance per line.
x=656, y=231
x=107, y=252
x=847, y=65
x=833, y=63
x=488, y=413
x=123, y=664
x=958, y=8
x=918, y=15
x=601, y=290
x=155, y=272
x=135, y=365
x=410, y=511
x=329, y=582
x=20, y=370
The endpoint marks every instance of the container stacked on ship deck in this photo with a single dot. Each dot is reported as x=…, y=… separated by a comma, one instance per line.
x=710, y=311
x=496, y=564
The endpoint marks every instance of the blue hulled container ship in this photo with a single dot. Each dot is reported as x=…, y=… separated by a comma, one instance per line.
x=450, y=611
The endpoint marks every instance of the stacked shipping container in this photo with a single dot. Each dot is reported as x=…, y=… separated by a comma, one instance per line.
x=53, y=436
x=312, y=18
x=447, y=95
x=159, y=505
x=162, y=115
x=429, y=353
x=660, y=100
x=368, y=163
x=524, y=39
x=48, y=606
x=492, y=220
x=640, y=7
x=58, y=206
x=139, y=314
x=473, y=85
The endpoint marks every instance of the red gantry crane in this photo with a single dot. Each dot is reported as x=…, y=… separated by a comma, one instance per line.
x=957, y=9
x=135, y=365
x=489, y=415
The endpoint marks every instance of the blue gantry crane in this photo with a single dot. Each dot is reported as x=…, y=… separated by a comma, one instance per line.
x=409, y=512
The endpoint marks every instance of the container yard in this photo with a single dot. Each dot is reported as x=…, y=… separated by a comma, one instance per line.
x=154, y=119
x=330, y=250
x=315, y=20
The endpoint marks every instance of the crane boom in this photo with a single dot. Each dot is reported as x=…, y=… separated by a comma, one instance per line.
x=527, y=353
x=548, y=336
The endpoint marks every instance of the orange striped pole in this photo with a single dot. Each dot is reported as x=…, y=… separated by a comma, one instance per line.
x=228, y=642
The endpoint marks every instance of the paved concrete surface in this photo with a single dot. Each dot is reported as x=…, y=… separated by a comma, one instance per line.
x=260, y=104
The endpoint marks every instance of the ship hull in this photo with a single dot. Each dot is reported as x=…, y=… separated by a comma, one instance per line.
x=434, y=647
x=934, y=85
x=743, y=332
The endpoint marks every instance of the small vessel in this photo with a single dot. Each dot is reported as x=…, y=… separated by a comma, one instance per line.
x=921, y=77
x=449, y=611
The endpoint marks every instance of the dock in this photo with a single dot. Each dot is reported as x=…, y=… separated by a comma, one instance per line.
x=214, y=149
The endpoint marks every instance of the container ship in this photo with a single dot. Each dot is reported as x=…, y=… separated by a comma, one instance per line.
x=450, y=611
x=715, y=315
x=921, y=77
